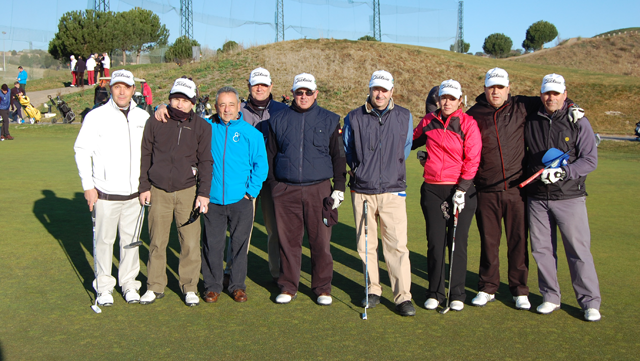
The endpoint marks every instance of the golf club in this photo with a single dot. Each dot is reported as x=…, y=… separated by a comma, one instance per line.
x=554, y=162
x=365, y=212
x=453, y=248
x=95, y=307
x=136, y=241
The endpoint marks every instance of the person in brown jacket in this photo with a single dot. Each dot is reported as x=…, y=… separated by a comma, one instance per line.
x=176, y=170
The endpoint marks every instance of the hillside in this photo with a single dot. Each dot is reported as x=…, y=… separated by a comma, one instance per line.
x=342, y=69
x=618, y=54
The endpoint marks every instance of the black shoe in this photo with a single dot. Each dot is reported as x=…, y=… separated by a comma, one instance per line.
x=373, y=301
x=406, y=309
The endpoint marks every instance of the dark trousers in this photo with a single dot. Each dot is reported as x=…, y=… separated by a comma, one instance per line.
x=440, y=234
x=297, y=208
x=4, y=113
x=238, y=217
x=494, y=207
x=23, y=87
x=80, y=78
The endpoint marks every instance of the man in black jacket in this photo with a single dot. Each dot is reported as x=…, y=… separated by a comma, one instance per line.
x=176, y=171
x=305, y=150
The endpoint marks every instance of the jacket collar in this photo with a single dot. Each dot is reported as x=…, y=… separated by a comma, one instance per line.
x=115, y=106
x=482, y=99
x=369, y=108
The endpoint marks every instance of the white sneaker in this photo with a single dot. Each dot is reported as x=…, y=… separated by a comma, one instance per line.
x=457, y=305
x=105, y=299
x=149, y=297
x=285, y=298
x=482, y=299
x=191, y=299
x=431, y=304
x=522, y=302
x=592, y=315
x=547, y=307
x=324, y=300
x=131, y=296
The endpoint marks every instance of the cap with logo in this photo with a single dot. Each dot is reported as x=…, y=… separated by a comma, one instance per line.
x=496, y=76
x=381, y=78
x=553, y=83
x=260, y=76
x=304, y=80
x=450, y=87
x=122, y=76
x=184, y=88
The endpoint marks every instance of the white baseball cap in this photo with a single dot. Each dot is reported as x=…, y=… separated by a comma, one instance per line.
x=450, y=87
x=381, y=78
x=186, y=87
x=496, y=76
x=260, y=76
x=304, y=80
x=553, y=83
x=122, y=76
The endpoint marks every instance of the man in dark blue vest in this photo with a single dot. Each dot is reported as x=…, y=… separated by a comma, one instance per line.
x=305, y=151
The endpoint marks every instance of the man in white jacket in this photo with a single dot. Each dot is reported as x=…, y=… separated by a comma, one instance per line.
x=108, y=158
x=91, y=66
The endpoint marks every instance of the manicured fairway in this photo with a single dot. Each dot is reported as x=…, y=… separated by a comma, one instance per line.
x=46, y=270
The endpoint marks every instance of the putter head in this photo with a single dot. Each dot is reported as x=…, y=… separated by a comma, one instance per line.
x=444, y=310
x=96, y=309
x=364, y=316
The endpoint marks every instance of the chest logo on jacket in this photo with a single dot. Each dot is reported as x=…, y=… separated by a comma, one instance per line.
x=236, y=137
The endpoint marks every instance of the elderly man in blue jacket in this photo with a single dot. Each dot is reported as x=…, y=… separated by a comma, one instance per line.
x=239, y=168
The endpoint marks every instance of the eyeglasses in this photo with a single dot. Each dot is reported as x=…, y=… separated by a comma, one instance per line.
x=299, y=93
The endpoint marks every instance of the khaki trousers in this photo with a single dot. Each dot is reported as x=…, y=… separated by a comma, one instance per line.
x=112, y=216
x=164, y=208
x=391, y=210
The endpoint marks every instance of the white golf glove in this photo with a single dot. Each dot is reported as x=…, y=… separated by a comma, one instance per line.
x=575, y=113
x=552, y=175
x=458, y=201
x=338, y=197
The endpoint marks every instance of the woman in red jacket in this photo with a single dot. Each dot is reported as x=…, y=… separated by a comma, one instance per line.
x=453, y=145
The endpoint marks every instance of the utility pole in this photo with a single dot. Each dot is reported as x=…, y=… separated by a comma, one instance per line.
x=186, y=18
x=279, y=20
x=458, y=47
x=102, y=5
x=376, y=20
x=4, y=63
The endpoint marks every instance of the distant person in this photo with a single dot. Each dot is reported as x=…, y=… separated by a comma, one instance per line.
x=81, y=66
x=74, y=73
x=101, y=94
x=98, y=69
x=91, y=66
x=15, y=102
x=108, y=159
x=431, y=103
x=558, y=199
x=22, y=79
x=106, y=63
x=377, y=141
x=5, y=103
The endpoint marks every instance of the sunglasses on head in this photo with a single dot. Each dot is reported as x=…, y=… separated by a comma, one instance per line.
x=299, y=93
x=195, y=213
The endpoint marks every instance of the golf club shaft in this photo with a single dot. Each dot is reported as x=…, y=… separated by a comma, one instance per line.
x=95, y=262
x=366, y=255
x=453, y=248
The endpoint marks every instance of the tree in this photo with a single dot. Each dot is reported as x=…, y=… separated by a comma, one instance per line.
x=181, y=49
x=83, y=33
x=464, y=47
x=229, y=46
x=139, y=30
x=497, y=44
x=368, y=38
x=538, y=34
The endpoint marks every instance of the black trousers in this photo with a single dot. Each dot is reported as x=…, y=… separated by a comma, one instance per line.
x=440, y=236
x=238, y=217
x=4, y=113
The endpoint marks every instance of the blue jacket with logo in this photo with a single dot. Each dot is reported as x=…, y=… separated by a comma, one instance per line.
x=5, y=100
x=239, y=160
x=22, y=77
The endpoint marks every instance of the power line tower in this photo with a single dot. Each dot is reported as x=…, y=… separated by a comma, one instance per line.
x=279, y=20
x=102, y=5
x=458, y=46
x=376, y=20
x=186, y=18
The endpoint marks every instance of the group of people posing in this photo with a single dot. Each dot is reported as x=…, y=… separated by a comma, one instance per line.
x=293, y=160
x=96, y=66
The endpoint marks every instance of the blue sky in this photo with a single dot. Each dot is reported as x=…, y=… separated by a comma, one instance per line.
x=424, y=23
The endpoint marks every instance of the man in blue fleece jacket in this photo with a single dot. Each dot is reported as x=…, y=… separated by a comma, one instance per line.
x=239, y=168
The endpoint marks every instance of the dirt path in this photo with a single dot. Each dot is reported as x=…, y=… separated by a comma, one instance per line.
x=39, y=97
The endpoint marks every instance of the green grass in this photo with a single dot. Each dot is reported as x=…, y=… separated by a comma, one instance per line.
x=46, y=271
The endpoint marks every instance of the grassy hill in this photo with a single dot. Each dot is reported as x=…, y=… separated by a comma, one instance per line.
x=342, y=69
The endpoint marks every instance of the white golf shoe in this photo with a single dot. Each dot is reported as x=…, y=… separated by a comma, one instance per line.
x=592, y=315
x=431, y=304
x=324, y=300
x=105, y=299
x=547, y=307
x=285, y=297
x=457, y=305
x=482, y=299
x=522, y=302
x=191, y=299
x=149, y=297
x=131, y=295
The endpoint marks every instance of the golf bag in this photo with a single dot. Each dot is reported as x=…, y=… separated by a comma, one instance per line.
x=31, y=111
x=68, y=116
x=142, y=103
x=203, y=108
x=637, y=129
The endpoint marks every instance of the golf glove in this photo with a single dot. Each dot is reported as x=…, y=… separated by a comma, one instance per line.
x=575, y=113
x=458, y=201
x=338, y=197
x=552, y=175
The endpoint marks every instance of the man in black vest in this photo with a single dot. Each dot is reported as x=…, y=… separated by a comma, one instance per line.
x=558, y=199
x=378, y=138
x=305, y=150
